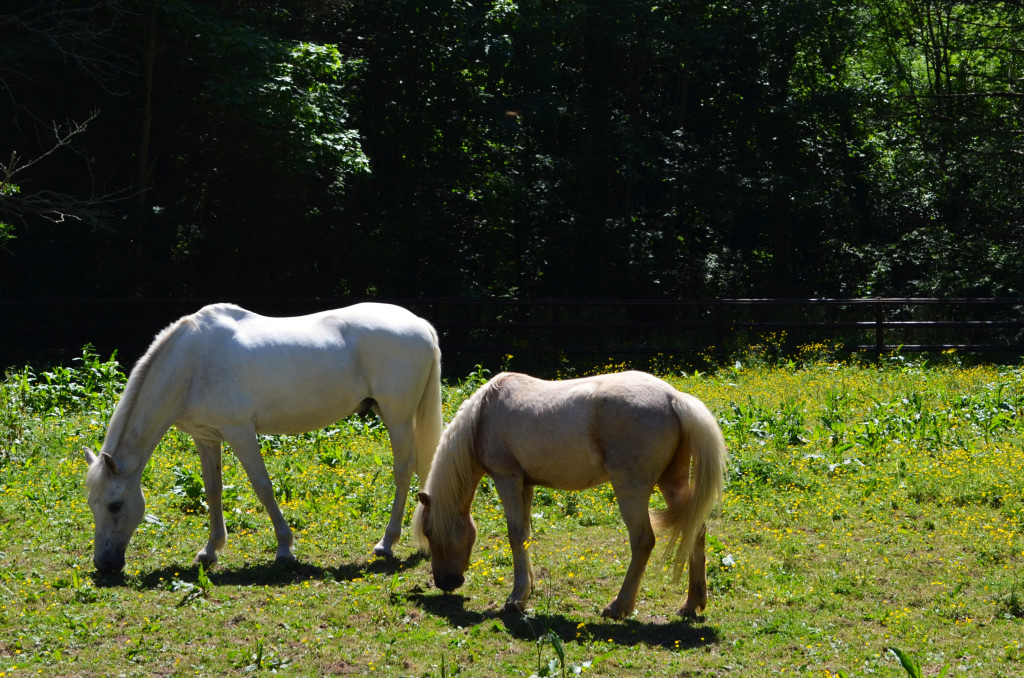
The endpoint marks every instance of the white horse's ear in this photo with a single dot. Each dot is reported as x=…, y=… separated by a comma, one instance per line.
x=90, y=456
x=424, y=498
x=112, y=466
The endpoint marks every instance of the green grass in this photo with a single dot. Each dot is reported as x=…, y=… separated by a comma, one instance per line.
x=873, y=524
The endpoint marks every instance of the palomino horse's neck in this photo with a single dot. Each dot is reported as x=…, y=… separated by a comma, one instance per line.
x=454, y=478
x=456, y=471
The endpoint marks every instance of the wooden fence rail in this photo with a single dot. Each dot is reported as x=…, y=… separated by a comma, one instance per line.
x=483, y=330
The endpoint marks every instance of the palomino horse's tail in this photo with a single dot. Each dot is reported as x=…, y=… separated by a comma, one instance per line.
x=429, y=419
x=688, y=506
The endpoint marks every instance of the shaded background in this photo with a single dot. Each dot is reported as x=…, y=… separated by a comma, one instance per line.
x=534, y=149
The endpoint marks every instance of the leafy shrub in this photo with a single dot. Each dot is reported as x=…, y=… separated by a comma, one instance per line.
x=90, y=386
x=188, y=487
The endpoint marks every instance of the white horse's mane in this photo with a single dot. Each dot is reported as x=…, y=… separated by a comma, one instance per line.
x=122, y=411
x=453, y=467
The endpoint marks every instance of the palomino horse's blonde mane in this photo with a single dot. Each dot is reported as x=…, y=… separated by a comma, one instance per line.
x=453, y=469
x=122, y=412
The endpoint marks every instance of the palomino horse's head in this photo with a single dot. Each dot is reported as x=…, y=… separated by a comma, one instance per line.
x=117, y=507
x=449, y=546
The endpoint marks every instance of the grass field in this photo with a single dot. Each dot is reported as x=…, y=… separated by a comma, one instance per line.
x=868, y=507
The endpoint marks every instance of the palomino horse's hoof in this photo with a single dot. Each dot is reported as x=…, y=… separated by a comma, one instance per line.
x=613, y=611
x=514, y=606
x=690, y=611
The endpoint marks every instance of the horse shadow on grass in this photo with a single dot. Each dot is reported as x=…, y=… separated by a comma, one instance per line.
x=260, y=574
x=677, y=633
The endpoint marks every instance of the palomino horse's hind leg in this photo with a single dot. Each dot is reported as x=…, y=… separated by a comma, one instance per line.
x=697, y=593
x=209, y=456
x=405, y=462
x=247, y=449
x=517, y=500
x=633, y=507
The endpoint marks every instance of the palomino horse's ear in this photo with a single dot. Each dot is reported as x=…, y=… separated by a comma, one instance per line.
x=424, y=498
x=90, y=456
x=112, y=466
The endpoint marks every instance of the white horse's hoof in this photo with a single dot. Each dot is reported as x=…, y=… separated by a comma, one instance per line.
x=383, y=551
x=205, y=559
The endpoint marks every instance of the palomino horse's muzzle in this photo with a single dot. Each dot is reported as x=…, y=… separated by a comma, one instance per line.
x=449, y=582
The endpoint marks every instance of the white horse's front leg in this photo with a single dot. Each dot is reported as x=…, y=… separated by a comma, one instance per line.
x=247, y=449
x=517, y=500
x=402, y=450
x=209, y=456
x=633, y=508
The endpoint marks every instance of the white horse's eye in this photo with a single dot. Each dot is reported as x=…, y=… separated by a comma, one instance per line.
x=116, y=506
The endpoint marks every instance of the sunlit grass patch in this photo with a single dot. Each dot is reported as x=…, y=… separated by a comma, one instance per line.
x=867, y=507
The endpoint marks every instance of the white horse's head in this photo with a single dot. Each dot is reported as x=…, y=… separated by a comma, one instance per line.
x=449, y=543
x=117, y=507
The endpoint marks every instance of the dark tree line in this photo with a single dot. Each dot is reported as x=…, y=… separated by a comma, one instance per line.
x=530, y=148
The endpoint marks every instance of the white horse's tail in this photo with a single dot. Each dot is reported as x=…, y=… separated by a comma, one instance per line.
x=429, y=419
x=702, y=442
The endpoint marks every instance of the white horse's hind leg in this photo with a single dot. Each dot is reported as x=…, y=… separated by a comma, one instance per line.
x=517, y=500
x=405, y=463
x=633, y=507
x=697, y=593
x=209, y=456
x=247, y=449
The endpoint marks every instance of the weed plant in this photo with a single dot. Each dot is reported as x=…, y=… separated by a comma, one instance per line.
x=873, y=524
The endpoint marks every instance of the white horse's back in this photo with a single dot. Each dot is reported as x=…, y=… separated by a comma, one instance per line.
x=290, y=375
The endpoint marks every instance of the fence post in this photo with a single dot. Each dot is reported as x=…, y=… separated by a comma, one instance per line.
x=879, y=327
x=719, y=330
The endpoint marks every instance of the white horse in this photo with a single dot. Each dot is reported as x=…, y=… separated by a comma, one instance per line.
x=630, y=429
x=226, y=374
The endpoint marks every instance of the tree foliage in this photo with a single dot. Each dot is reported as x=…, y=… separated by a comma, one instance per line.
x=589, y=148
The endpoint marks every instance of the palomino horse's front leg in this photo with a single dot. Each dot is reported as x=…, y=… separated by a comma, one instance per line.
x=518, y=501
x=209, y=456
x=247, y=449
x=402, y=450
x=697, y=593
x=633, y=507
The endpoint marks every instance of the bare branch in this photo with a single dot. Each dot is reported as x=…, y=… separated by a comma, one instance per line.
x=61, y=207
x=62, y=137
x=82, y=34
x=52, y=205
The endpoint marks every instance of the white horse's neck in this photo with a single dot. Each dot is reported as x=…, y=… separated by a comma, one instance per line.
x=149, y=404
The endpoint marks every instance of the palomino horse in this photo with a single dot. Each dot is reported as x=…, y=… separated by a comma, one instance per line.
x=630, y=429
x=226, y=374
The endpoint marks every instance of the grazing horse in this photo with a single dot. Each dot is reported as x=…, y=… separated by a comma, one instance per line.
x=630, y=429
x=226, y=374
